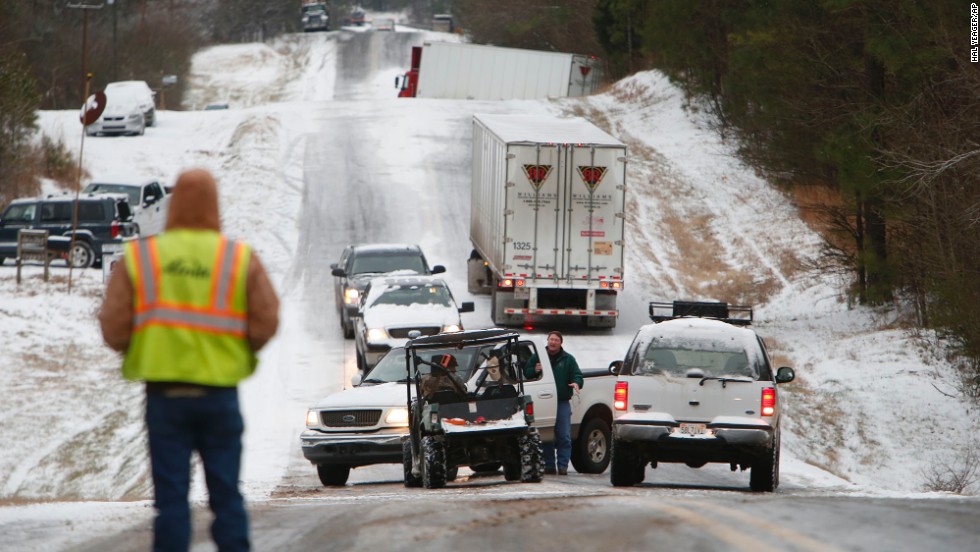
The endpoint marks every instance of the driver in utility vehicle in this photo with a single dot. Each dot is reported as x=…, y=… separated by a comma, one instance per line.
x=443, y=378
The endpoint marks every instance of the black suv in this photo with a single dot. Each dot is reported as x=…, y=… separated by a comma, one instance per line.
x=103, y=222
x=359, y=263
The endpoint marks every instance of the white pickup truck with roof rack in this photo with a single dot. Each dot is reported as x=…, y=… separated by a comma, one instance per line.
x=698, y=386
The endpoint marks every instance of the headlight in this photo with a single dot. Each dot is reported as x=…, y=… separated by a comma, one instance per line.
x=376, y=334
x=397, y=416
x=452, y=328
x=351, y=295
x=313, y=418
x=136, y=116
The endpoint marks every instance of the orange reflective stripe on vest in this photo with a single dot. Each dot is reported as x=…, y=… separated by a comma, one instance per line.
x=147, y=275
x=215, y=318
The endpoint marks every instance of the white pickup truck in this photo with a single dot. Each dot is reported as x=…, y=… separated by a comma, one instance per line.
x=367, y=423
x=698, y=387
x=148, y=199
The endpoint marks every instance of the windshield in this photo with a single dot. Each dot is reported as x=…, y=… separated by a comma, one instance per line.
x=408, y=295
x=132, y=192
x=392, y=365
x=387, y=263
x=21, y=212
x=679, y=356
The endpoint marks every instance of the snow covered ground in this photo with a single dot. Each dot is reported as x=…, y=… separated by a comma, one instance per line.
x=871, y=410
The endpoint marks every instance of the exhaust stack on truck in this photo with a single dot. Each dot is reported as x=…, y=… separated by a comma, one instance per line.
x=547, y=218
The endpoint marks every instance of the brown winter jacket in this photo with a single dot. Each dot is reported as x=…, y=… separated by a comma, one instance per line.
x=194, y=205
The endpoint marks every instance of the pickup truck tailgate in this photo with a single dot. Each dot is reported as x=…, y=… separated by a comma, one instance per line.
x=691, y=399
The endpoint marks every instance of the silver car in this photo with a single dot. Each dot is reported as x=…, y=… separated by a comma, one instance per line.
x=138, y=92
x=122, y=115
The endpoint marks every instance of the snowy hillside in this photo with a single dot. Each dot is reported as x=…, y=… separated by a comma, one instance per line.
x=870, y=411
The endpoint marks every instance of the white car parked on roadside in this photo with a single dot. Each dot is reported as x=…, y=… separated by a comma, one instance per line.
x=122, y=116
x=136, y=92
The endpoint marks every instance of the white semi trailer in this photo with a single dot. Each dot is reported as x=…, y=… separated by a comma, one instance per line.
x=547, y=218
x=477, y=72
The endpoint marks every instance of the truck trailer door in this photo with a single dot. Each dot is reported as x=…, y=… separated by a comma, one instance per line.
x=593, y=202
x=533, y=242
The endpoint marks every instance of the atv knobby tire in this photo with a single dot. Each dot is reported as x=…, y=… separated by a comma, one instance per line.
x=433, y=463
x=411, y=480
x=532, y=457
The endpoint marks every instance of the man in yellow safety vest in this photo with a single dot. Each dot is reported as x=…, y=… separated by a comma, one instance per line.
x=190, y=308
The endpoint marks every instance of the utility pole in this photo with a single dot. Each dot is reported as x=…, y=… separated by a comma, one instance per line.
x=115, y=58
x=85, y=7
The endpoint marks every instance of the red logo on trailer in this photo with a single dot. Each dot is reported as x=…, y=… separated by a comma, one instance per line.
x=537, y=174
x=592, y=176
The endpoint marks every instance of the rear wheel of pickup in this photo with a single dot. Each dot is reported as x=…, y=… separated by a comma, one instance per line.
x=433, y=463
x=411, y=480
x=627, y=469
x=332, y=475
x=532, y=457
x=764, y=475
x=590, y=452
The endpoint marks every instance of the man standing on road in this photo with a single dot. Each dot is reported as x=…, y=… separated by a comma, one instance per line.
x=568, y=380
x=190, y=308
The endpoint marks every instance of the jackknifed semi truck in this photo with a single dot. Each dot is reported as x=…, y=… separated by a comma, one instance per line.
x=453, y=70
x=547, y=219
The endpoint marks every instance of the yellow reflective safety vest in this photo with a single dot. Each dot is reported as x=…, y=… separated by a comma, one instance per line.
x=190, y=317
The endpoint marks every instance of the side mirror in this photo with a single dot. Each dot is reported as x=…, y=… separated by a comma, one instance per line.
x=466, y=306
x=398, y=81
x=438, y=269
x=785, y=375
x=355, y=380
x=338, y=272
x=150, y=200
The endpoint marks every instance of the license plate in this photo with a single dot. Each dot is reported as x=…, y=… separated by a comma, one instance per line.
x=693, y=429
x=111, y=248
x=522, y=293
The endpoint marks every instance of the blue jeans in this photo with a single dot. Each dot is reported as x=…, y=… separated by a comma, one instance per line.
x=563, y=439
x=212, y=425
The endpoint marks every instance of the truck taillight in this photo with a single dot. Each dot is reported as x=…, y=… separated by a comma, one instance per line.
x=621, y=395
x=505, y=283
x=768, y=401
x=114, y=229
